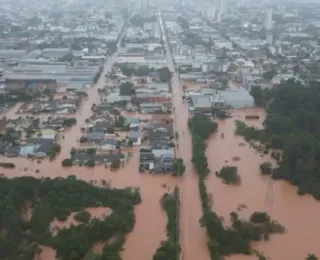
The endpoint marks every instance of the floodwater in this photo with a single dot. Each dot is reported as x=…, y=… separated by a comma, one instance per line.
x=193, y=236
x=99, y=212
x=299, y=215
x=150, y=216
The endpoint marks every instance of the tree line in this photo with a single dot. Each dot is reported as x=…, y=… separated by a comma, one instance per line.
x=222, y=240
x=57, y=198
x=292, y=125
x=170, y=249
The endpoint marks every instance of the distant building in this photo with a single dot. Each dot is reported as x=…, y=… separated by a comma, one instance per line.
x=224, y=6
x=268, y=20
x=145, y=8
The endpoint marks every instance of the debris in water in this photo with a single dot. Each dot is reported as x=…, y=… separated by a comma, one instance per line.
x=235, y=158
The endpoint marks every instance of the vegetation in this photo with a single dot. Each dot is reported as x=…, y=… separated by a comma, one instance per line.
x=292, y=125
x=229, y=174
x=54, y=151
x=250, y=133
x=165, y=74
x=178, y=167
x=201, y=127
x=66, y=162
x=57, y=198
x=268, y=75
x=91, y=151
x=259, y=217
x=170, y=249
x=266, y=168
x=222, y=240
x=260, y=96
x=115, y=165
x=138, y=20
x=7, y=165
x=91, y=163
x=82, y=216
x=83, y=139
x=311, y=257
x=127, y=89
x=129, y=70
x=184, y=24
x=69, y=121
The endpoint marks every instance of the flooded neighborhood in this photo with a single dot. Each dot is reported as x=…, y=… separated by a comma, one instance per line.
x=147, y=132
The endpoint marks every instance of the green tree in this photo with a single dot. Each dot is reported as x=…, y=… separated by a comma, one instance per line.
x=115, y=165
x=91, y=163
x=165, y=74
x=66, y=162
x=91, y=151
x=311, y=257
x=127, y=89
x=178, y=167
x=229, y=174
x=82, y=216
x=266, y=168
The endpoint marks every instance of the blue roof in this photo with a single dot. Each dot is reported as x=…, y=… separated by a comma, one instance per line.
x=28, y=150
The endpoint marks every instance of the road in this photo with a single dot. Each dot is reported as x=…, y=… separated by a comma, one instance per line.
x=193, y=237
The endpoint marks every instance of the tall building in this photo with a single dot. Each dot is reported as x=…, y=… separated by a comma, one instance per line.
x=145, y=8
x=268, y=20
x=224, y=6
x=180, y=5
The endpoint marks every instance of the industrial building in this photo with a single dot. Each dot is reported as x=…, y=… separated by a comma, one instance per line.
x=204, y=102
x=49, y=76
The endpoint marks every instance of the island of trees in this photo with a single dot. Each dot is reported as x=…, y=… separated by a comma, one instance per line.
x=58, y=198
x=292, y=125
x=229, y=174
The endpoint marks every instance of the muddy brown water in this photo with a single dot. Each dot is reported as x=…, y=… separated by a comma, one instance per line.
x=151, y=220
x=193, y=237
x=298, y=214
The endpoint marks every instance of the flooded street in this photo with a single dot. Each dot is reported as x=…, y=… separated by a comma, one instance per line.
x=149, y=214
x=299, y=215
x=284, y=205
x=193, y=236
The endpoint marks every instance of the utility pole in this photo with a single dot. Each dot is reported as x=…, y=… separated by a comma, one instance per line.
x=269, y=193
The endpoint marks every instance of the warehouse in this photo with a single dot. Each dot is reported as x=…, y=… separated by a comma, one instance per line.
x=200, y=103
x=239, y=98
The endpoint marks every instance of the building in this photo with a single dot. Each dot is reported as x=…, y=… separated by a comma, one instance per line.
x=6, y=54
x=108, y=144
x=43, y=84
x=224, y=5
x=239, y=98
x=268, y=20
x=48, y=134
x=55, y=53
x=156, y=97
x=200, y=103
x=145, y=8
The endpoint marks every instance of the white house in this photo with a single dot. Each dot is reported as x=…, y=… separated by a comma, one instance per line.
x=108, y=144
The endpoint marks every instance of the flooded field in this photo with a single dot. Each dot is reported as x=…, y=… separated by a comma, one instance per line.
x=298, y=214
x=100, y=212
